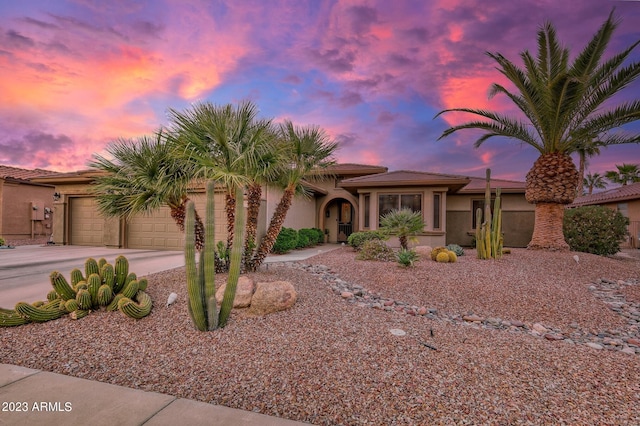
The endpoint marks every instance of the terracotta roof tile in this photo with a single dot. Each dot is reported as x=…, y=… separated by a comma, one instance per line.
x=479, y=184
x=623, y=193
x=22, y=174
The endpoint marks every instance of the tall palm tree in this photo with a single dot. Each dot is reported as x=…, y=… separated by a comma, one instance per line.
x=594, y=181
x=142, y=176
x=562, y=103
x=626, y=173
x=586, y=149
x=306, y=149
x=231, y=145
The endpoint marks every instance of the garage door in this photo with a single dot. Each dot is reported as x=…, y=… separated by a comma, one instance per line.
x=157, y=231
x=86, y=224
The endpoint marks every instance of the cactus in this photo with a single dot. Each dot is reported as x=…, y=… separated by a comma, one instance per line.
x=453, y=257
x=10, y=318
x=101, y=262
x=79, y=313
x=489, y=230
x=94, y=283
x=91, y=267
x=130, y=277
x=84, y=299
x=81, y=285
x=105, y=295
x=131, y=289
x=143, y=283
x=71, y=305
x=34, y=314
x=108, y=275
x=459, y=251
x=113, y=306
x=52, y=295
x=122, y=270
x=133, y=309
x=61, y=286
x=37, y=304
x=76, y=276
x=442, y=257
x=436, y=251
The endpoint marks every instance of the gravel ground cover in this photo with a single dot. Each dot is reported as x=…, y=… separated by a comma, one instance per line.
x=332, y=360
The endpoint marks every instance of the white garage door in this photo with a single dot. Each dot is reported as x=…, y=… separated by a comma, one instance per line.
x=86, y=224
x=157, y=231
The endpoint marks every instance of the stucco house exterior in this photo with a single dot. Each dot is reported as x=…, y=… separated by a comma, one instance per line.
x=350, y=198
x=25, y=206
x=626, y=200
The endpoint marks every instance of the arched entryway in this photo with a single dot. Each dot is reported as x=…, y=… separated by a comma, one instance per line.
x=339, y=218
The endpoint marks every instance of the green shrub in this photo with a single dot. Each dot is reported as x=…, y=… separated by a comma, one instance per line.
x=319, y=235
x=459, y=251
x=1, y=241
x=310, y=236
x=407, y=258
x=357, y=239
x=376, y=250
x=287, y=240
x=594, y=229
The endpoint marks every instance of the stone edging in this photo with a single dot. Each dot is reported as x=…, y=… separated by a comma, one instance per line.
x=625, y=339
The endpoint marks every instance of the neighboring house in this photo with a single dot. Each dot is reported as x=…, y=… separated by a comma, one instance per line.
x=626, y=200
x=350, y=198
x=25, y=206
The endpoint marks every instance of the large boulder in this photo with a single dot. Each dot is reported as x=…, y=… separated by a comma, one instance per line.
x=244, y=292
x=272, y=297
x=423, y=251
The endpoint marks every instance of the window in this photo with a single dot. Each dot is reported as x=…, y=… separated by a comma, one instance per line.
x=478, y=204
x=436, y=211
x=623, y=208
x=367, y=209
x=388, y=202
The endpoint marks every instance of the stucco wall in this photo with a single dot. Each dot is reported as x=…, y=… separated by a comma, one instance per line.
x=17, y=212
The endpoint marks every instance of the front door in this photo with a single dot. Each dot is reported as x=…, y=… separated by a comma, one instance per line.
x=345, y=221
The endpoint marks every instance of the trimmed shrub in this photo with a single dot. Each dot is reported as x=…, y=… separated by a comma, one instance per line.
x=319, y=235
x=1, y=241
x=287, y=240
x=594, y=229
x=407, y=258
x=357, y=239
x=306, y=237
x=376, y=250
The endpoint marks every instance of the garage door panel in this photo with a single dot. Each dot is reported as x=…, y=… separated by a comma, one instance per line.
x=85, y=222
x=157, y=231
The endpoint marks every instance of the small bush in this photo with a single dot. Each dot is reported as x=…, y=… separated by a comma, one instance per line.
x=310, y=236
x=287, y=240
x=1, y=241
x=319, y=235
x=459, y=251
x=407, y=258
x=376, y=250
x=357, y=239
x=594, y=229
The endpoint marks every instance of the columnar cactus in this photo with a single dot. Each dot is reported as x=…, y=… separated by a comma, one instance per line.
x=201, y=288
x=489, y=230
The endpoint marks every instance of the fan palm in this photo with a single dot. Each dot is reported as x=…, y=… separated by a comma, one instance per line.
x=586, y=149
x=231, y=145
x=626, y=173
x=404, y=223
x=594, y=181
x=562, y=106
x=306, y=149
x=142, y=176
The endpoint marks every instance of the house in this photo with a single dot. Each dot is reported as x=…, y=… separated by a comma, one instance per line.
x=25, y=206
x=626, y=200
x=350, y=198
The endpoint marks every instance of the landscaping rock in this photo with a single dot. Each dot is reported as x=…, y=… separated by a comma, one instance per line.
x=423, y=251
x=272, y=297
x=244, y=292
x=472, y=318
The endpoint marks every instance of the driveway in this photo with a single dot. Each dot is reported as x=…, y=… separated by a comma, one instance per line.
x=24, y=270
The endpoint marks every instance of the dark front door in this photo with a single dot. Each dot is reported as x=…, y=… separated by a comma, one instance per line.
x=345, y=221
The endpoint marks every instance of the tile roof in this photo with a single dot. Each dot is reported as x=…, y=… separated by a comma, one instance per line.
x=623, y=193
x=8, y=172
x=479, y=184
x=354, y=168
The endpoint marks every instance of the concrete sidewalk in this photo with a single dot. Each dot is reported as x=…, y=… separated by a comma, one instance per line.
x=47, y=398
x=33, y=397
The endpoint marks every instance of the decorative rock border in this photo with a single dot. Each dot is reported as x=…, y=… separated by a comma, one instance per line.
x=625, y=339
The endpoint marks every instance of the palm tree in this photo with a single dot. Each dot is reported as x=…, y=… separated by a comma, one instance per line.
x=143, y=176
x=626, y=173
x=562, y=104
x=405, y=223
x=306, y=149
x=594, y=181
x=231, y=145
x=586, y=149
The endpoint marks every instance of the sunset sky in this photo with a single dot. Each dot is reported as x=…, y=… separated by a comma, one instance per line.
x=77, y=74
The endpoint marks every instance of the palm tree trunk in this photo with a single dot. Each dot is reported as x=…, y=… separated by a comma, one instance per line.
x=547, y=230
x=230, y=209
x=178, y=213
x=254, y=194
x=274, y=227
x=583, y=162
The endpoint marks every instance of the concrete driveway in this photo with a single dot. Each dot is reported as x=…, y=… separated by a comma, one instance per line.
x=24, y=270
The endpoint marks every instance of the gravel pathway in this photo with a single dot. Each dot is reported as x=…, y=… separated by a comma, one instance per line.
x=333, y=359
